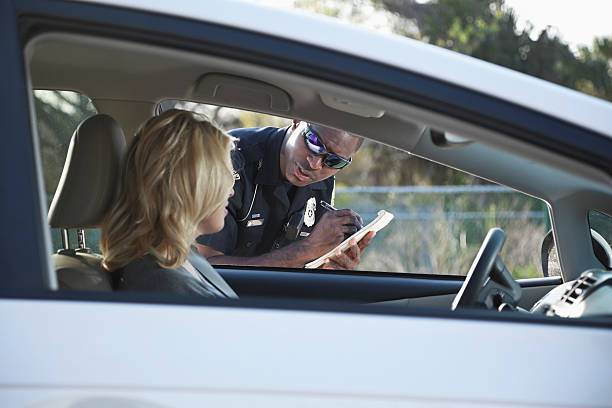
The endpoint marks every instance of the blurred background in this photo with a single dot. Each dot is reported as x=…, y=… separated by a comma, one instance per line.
x=442, y=215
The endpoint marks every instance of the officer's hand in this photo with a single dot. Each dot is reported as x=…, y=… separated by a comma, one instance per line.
x=330, y=229
x=351, y=256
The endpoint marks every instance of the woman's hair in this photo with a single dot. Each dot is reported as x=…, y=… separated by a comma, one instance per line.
x=177, y=172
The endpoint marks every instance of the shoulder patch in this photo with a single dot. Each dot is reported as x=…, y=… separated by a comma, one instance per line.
x=238, y=161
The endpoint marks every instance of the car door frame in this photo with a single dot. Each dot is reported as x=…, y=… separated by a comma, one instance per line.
x=25, y=238
x=38, y=16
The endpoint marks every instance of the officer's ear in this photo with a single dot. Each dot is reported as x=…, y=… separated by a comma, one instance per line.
x=296, y=123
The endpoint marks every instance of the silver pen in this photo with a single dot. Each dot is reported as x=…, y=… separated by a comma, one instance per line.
x=328, y=206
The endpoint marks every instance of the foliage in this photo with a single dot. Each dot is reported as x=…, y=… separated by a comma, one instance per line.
x=486, y=29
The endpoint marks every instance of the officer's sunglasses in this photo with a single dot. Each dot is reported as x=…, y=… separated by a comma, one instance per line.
x=316, y=146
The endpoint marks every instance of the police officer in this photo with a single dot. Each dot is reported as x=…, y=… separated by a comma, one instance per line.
x=275, y=217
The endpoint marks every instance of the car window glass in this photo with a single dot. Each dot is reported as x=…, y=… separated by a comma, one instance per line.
x=441, y=215
x=601, y=231
x=58, y=113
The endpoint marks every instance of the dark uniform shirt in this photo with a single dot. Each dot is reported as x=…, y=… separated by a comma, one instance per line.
x=263, y=202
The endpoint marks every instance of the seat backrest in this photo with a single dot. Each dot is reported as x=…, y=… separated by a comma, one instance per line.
x=86, y=190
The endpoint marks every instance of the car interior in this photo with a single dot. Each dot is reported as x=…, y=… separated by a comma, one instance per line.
x=126, y=80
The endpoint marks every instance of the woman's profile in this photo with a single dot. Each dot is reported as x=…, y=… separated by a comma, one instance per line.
x=176, y=183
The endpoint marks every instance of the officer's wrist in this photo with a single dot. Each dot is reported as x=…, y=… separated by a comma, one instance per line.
x=303, y=251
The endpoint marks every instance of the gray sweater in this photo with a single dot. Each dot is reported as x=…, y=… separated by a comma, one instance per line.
x=145, y=274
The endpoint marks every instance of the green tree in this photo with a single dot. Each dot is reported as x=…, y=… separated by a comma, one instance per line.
x=597, y=63
x=487, y=30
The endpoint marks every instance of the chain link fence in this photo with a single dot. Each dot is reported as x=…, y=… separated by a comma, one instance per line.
x=439, y=229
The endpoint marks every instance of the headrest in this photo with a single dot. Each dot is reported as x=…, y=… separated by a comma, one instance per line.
x=90, y=177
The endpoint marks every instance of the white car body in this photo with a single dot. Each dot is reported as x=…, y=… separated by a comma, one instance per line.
x=149, y=355
x=62, y=353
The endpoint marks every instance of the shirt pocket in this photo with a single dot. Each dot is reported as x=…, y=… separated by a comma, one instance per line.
x=250, y=235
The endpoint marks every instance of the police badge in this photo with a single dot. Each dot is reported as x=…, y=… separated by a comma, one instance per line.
x=309, y=212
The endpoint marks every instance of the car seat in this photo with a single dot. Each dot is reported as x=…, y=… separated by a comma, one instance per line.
x=86, y=190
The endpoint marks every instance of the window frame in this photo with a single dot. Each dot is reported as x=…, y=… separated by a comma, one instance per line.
x=26, y=238
x=37, y=16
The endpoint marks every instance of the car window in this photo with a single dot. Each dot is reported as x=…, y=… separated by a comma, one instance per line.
x=58, y=113
x=441, y=215
x=601, y=232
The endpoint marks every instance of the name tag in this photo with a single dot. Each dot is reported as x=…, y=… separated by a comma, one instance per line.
x=304, y=234
x=255, y=223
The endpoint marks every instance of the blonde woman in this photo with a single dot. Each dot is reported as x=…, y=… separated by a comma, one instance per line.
x=176, y=184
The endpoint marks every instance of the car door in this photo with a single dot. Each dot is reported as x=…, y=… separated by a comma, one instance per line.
x=62, y=349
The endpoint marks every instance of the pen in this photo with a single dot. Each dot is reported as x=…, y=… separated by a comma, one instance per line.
x=328, y=206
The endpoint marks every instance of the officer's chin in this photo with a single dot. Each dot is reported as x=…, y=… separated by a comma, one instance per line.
x=300, y=183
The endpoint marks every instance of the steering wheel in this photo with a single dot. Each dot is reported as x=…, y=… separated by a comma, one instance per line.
x=477, y=289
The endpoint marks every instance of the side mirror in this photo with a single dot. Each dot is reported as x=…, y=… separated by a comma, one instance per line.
x=550, y=259
x=602, y=249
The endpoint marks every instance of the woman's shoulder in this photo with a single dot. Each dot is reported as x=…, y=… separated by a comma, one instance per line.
x=210, y=274
x=145, y=274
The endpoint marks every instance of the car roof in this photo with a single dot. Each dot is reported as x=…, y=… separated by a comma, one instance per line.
x=394, y=50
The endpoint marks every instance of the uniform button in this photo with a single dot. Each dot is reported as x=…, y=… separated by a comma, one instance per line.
x=276, y=245
x=249, y=244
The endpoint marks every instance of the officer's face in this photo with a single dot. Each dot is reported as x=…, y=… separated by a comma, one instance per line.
x=300, y=166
